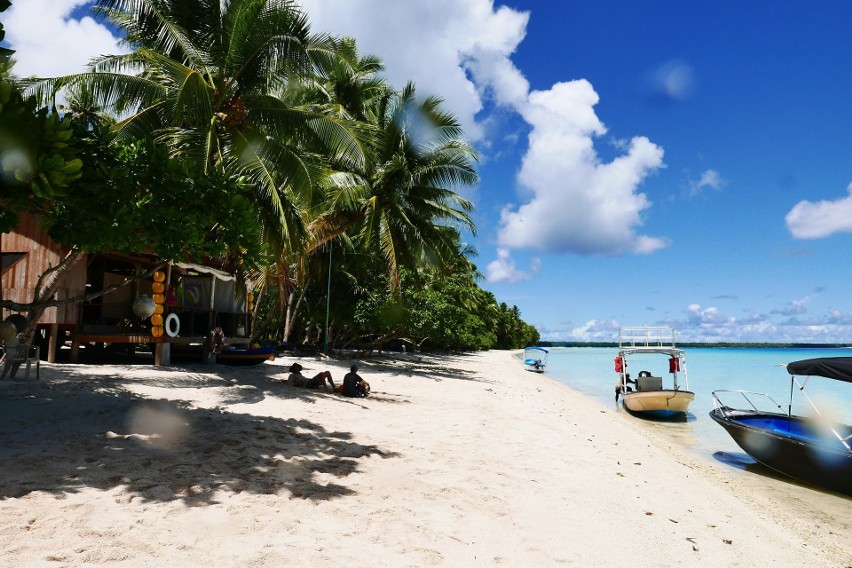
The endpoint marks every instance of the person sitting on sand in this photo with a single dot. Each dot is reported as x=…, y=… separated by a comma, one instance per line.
x=297, y=379
x=354, y=385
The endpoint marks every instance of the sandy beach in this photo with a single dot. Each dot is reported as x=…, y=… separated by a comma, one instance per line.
x=455, y=460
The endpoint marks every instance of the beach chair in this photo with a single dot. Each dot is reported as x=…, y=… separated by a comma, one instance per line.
x=17, y=354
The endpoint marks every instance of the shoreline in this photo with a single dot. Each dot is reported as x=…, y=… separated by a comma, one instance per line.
x=454, y=460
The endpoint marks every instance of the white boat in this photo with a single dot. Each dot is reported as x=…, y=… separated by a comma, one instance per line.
x=535, y=358
x=658, y=393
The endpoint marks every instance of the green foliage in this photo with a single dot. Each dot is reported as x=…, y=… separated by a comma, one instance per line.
x=212, y=80
x=512, y=331
x=39, y=156
x=134, y=197
x=246, y=135
x=435, y=311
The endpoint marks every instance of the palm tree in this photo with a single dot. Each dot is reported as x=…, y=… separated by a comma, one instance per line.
x=83, y=109
x=213, y=80
x=412, y=214
x=401, y=204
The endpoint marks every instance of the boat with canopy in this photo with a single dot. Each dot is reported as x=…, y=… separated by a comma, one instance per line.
x=657, y=394
x=811, y=448
x=535, y=358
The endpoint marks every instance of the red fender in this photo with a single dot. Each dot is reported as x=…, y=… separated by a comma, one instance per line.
x=674, y=365
x=619, y=364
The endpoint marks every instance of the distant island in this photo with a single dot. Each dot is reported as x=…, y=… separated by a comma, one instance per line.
x=709, y=344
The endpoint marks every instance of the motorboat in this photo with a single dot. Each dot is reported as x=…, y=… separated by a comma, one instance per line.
x=658, y=394
x=812, y=448
x=535, y=358
x=232, y=356
x=240, y=357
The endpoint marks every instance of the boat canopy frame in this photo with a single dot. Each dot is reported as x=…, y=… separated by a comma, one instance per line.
x=529, y=361
x=648, y=340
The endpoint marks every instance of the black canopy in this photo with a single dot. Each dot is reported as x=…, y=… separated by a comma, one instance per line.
x=838, y=368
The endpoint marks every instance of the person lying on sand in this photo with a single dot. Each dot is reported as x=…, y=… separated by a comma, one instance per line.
x=297, y=379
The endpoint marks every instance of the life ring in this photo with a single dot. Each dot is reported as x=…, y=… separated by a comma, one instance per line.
x=172, y=325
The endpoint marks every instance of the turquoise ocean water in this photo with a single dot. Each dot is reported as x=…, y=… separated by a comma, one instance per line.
x=590, y=370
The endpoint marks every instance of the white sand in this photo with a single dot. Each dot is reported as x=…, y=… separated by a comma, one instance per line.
x=454, y=461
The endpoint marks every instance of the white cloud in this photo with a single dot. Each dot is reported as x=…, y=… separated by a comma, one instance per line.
x=708, y=324
x=462, y=52
x=710, y=178
x=579, y=204
x=48, y=43
x=815, y=220
x=503, y=269
x=596, y=330
x=796, y=307
x=435, y=43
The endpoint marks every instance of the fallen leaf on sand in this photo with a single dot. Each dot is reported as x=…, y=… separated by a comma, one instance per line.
x=692, y=540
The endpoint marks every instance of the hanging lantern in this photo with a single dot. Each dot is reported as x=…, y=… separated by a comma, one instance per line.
x=143, y=306
x=158, y=298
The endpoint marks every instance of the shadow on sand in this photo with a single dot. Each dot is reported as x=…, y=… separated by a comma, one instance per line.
x=60, y=436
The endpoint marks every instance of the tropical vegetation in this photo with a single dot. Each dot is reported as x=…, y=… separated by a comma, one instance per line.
x=333, y=195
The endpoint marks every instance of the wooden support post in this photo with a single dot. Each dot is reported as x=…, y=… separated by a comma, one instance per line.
x=53, y=343
x=75, y=348
x=163, y=354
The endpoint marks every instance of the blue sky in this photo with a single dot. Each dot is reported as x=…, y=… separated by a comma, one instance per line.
x=653, y=163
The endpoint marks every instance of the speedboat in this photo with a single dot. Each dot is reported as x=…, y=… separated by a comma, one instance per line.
x=659, y=395
x=808, y=448
x=535, y=358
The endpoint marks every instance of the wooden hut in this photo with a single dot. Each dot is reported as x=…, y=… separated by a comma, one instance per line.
x=201, y=296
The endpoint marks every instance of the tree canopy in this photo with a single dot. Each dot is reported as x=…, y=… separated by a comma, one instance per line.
x=232, y=131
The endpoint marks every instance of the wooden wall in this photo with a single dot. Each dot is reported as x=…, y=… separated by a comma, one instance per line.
x=18, y=282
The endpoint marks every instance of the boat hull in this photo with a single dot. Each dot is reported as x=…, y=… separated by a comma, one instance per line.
x=791, y=445
x=231, y=357
x=245, y=357
x=658, y=402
